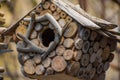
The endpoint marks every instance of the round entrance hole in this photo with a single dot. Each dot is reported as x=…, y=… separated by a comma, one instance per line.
x=47, y=37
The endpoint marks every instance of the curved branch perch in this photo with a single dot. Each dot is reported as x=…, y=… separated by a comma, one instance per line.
x=31, y=47
x=49, y=17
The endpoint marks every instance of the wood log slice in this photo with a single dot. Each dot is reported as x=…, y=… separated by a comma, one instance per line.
x=62, y=22
x=53, y=7
x=106, y=53
x=37, y=59
x=59, y=64
x=52, y=54
x=73, y=69
x=77, y=55
x=106, y=66
x=68, y=43
x=103, y=42
x=93, y=58
x=92, y=73
x=89, y=68
x=21, y=29
x=68, y=54
x=46, y=63
x=71, y=30
x=85, y=46
x=46, y=5
x=68, y=19
x=58, y=10
x=78, y=44
x=96, y=46
x=38, y=27
x=29, y=67
x=100, y=68
x=56, y=15
x=60, y=50
x=99, y=53
x=49, y=71
x=85, y=34
x=85, y=60
x=63, y=15
x=93, y=36
x=91, y=51
x=40, y=70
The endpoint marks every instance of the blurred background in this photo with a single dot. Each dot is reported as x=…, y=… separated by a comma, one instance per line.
x=15, y=9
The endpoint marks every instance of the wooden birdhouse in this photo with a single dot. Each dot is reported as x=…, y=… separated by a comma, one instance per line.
x=57, y=37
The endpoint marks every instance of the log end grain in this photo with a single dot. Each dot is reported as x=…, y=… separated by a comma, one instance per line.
x=59, y=64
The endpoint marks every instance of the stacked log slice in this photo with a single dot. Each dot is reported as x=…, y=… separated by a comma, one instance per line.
x=59, y=64
x=81, y=52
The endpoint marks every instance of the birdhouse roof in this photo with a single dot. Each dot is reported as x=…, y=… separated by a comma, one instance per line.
x=99, y=25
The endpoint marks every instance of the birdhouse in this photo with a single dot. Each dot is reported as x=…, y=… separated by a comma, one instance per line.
x=57, y=37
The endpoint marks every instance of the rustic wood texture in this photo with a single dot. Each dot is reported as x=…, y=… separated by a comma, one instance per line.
x=49, y=71
x=46, y=63
x=53, y=7
x=46, y=5
x=63, y=15
x=68, y=54
x=85, y=34
x=78, y=44
x=56, y=15
x=59, y=64
x=86, y=46
x=106, y=53
x=68, y=43
x=85, y=59
x=52, y=54
x=78, y=49
x=29, y=67
x=77, y=55
x=60, y=50
x=62, y=22
x=39, y=70
x=71, y=30
x=37, y=59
